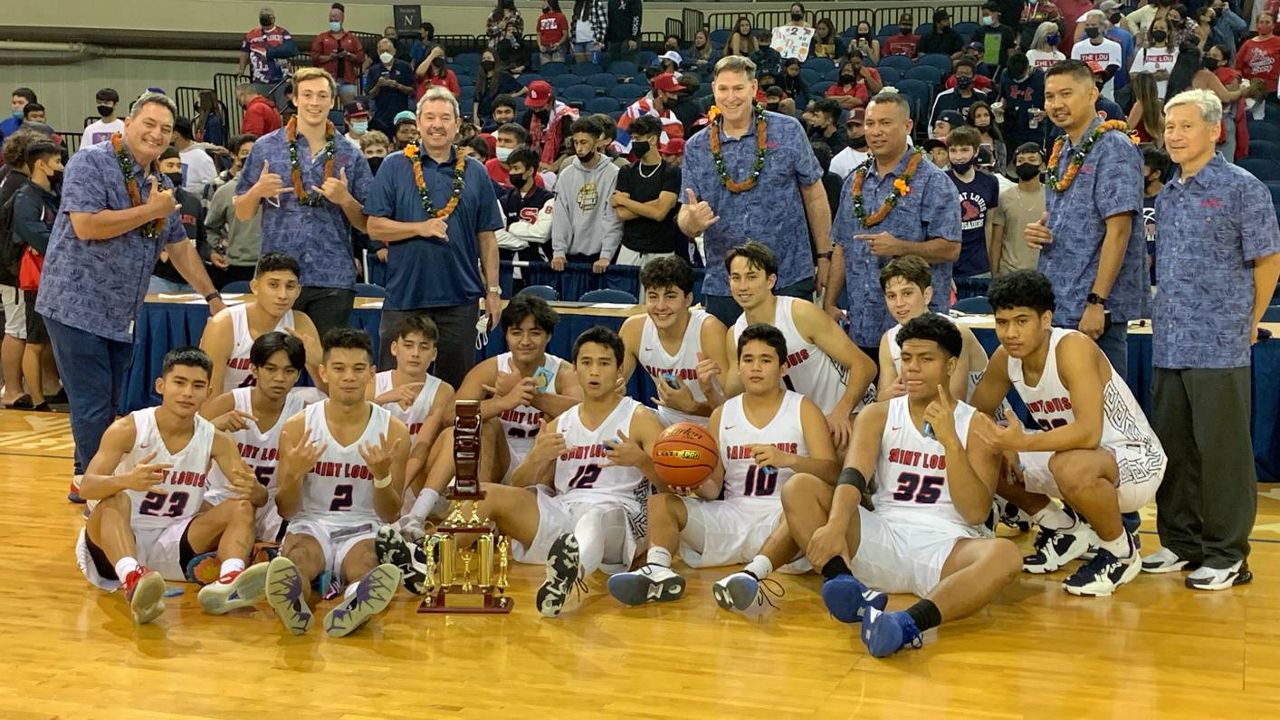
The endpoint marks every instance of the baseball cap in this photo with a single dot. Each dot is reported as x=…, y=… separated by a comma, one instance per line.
x=1108, y=5
x=856, y=116
x=933, y=144
x=539, y=94
x=951, y=117
x=405, y=116
x=666, y=82
x=941, y=14
x=355, y=107
x=674, y=146
x=671, y=55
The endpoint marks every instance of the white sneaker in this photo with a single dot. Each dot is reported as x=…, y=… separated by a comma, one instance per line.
x=1207, y=578
x=1163, y=561
x=651, y=583
x=234, y=590
x=1055, y=548
x=741, y=590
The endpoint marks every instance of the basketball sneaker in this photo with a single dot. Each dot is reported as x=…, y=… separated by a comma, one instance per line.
x=73, y=494
x=742, y=589
x=651, y=583
x=144, y=589
x=563, y=569
x=1055, y=548
x=1104, y=573
x=1207, y=578
x=393, y=549
x=238, y=589
x=886, y=633
x=371, y=596
x=1165, y=560
x=847, y=599
x=286, y=597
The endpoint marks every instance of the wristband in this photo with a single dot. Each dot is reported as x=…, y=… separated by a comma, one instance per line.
x=381, y=483
x=854, y=477
x=211, y=296
x=824, y=255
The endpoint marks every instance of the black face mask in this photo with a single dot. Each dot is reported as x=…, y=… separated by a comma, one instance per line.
x=488, y=65
x=904, y=29
x=175, y=178
x=1210, y=64
x=55, y=178
x=640, y=148
x=943, y=28
x=1093, y=33
x=964, y=83
x=847, y=79
x=1159, y=36
x=797, y=15
x=1027, y=171
x=857, y=142
x=105, y=110
x=771, y=107
x=962, y=168
x=266, y=21
x=1115, y=19
x=374, y=164
x=584, y=159
x=518, y=180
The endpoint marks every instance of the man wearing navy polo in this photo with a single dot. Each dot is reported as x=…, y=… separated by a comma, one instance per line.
x=437, y=213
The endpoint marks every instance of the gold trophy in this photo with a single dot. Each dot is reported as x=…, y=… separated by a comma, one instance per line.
x=467, y=557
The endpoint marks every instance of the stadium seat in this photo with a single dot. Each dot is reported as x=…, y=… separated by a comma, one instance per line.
x=965, y=30
x=819, y=89
x=553, y=69
x=578, y=93
x=546, y=292
x=527, y=78
x=628, y=93
x=616, y=115
x=810, y=76
x=889, y=76
x=238, y=286
x=921, y=96
x=938, y=60
x=1264, y=130
x=923, y=28
x=605, y=81
x=370, y=290
x=1265, y=170
x=721, y=36
x=567, y=80
x=900, y=63
x=604, y=105
x=623, y=68
x=979, y=305
x=1271, y=314
x=888, y=30
x=469, y=60
x=585, y=69
x=822, y=65
x=645, y=58
x=1266, y=149
x=1274, y=187
x=925, y=73
x=608, y=295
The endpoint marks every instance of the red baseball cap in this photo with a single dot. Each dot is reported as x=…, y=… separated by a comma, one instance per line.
x=667, y=83
x=539, y=94
x=674, y=146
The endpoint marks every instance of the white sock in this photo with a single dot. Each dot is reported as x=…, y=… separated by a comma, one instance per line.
x=590, y=534
x=424, y=504
x=1119, y=547
x=230, y=566
x=658, y=556
x=760, y=566
x=1052, y=517
x=125, y=566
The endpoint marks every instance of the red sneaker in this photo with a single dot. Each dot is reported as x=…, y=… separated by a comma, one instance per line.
x=144, y=589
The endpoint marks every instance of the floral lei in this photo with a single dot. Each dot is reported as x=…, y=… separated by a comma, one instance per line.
x=1078, y=155
x=762, y=146
x=901, y=186
x=291, y=132
x=417, y=156
x=152, y=229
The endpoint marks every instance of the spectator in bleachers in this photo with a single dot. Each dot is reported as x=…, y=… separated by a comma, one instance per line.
x=1139, y=21
x=375, y=144
x=983, y=118
x=107, y=124
x=233, y=243
x=823, y=123
x=690, y=108
x=265, y=52
x=210, y=123
x=1190, y=72
x=502, y=22
x=1112, y=30
x=703, y=54
x=961, y=96
x=1228, y=28
x=663, y=94
x=589, y=25
x=1019, y=206
x=19, y=100
x=668, y=62
x=339, y=52
x=508, y=138
x=438, y=74
x=979, y=195
x=238, y=149
x=585, y=227
x=491, y=82
x=1177, y=17
x=1157, y=55
x=827, y=42
x=742, y=42
x=1155, y=173
x=196, y=169
x=34, y=113
x=945, y=123
x=940, y=37
x=856, y=83
x=1033, y=15
x=1146, y=117
x=475, y=147
x=260, y=115
x=547, y=121
x=775, y=100
x=673, y=153
x=792, y=84
x=671, y=43
x=937, y=152
x=400, y=50
x=865, y=40
x=406, y=130
x=625, y=25
x=647, y=199
x=1258, y=59
x=356, y=113
x=528, y=208
x=1022, y=102
x=35, y=208
x=165, y=278
x=1234, y=113
x=844, y=162
x=553, y=32
x=905, y=42
x=796, y=15
x=996, y=39
x=423, y=45
x=1044, y=52
x=390, y=84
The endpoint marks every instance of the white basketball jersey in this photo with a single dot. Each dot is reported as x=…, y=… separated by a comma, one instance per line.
x=895, y=352
x=911, y=477
x=181, y=492
x=260, y=449
x=339, y=488
x=809, y=371
x=520, y=425
x=742, y=477
x=418, y=411
x=238, y=374
x=583, y=468
x=1123, y=422
x=657, y=362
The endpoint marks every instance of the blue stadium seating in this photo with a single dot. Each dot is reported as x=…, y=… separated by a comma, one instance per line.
x=604, y=105
x=560, y=82
x=1266, y=149
x=553, y=69
x=608, y=295
x=901, y=63
x=605, y=81
x=925, y=73
x=628, y=93
x=546, y=292
x=1265, y=170
x=578, y=93
x=623, y=68
x=938, y=60
x=585, y=69
x=1264, y=130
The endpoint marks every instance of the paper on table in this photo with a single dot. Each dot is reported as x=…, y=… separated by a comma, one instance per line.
x=612, y=306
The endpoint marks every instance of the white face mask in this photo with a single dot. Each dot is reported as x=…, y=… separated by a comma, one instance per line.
x=503, y=153
x=386, y=58
x=360, y=127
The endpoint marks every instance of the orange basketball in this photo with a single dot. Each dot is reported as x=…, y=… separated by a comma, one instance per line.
x=685, y=455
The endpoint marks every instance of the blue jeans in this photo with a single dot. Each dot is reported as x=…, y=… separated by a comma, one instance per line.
x=726, y=309
x=158, y=284
x=1114, y=343
x=93, y=371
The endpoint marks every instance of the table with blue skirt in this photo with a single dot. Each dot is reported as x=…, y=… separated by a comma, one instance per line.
x=166, y=324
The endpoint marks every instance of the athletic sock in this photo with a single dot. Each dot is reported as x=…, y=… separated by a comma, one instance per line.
x=658, y=556
x=835, y=567
x=125, y=566
x=589, y=532
x=1120, y=546
x=426, y=501
x=760, y=566
x=925, y=615
x=1052, y=517
x=230, y=566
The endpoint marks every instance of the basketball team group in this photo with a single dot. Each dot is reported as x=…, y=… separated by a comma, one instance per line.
x=883, y=480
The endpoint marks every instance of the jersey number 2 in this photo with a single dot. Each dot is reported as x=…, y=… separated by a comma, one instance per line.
x=342, y=499
x=925, y=490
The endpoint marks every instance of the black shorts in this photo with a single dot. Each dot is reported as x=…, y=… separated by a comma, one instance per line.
x=108, y=571
x=36, y=332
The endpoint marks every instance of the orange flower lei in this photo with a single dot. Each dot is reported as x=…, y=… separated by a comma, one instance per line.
x=415, y=154
x=762, y=145
x=1078, y=155
x=291, y=133
x=901, y=187
x=153, y=228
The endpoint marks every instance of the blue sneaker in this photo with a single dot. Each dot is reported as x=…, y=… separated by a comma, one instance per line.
x=886, y=633
x=847, y=598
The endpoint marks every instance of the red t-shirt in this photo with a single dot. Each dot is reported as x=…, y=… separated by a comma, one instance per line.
x=900, y=45
x=449, y=81
x=502, y=175
x=1260, y=59
x=552, y=28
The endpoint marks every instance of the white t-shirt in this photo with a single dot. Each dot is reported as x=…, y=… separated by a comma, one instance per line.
x=1044, y=59
x=198, y=170
x=1106, y=53
x=1152, y=60
x=99, y=131
x=846, y=161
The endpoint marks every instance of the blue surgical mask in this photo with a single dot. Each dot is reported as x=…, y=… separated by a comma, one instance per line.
x=360, y=127
x=987, y=20
x=17, y=114
x=335, y=26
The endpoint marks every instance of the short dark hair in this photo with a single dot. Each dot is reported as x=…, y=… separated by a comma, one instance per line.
x=1152, y=157
x=1022, y=288
x=269, y=344
x=25, y=92
x=107, y=95
x=338, y=6
x=273, y=261
x=965, y=62
x=525, y=305
x=891, y=98
x=586, y=125
x=600, y=335
x=345, y=338
x=766, y=333
x=32, y=107
x=526, y=156
x=39, y=150
x=608, y=128
x=668, y=271
x=828, y=107
x=478, y=146
x=912, y=268
x=1076, y=69
x=169, y=153
x=930, y=326
x=238, y=141
x=645, y=125
x=186, y=356
x=515, y=130
x=15, y=146
x=505, y=100
x=757, y=255
x=416, y=323
x=182, y=127
x=964, y=136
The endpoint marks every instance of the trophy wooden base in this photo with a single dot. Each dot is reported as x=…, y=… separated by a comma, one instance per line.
x=457, y=604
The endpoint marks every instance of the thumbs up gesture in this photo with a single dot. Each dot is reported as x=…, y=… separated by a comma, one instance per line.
x=161, y=203
x=269, y=185
x=335, y=189
x=699, y=213
x=1038, y=234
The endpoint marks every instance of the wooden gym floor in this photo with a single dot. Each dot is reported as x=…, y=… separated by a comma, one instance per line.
x=1153, y=650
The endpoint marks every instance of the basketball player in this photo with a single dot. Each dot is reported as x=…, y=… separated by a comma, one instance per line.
x=254, y=416
x=341, y=476
x=766, y=435
x=594, y=457
x=935, y=478
x=823, y=365
x=230, y=334
x=682, y=350
x=149, y=477
x=1095, y=450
